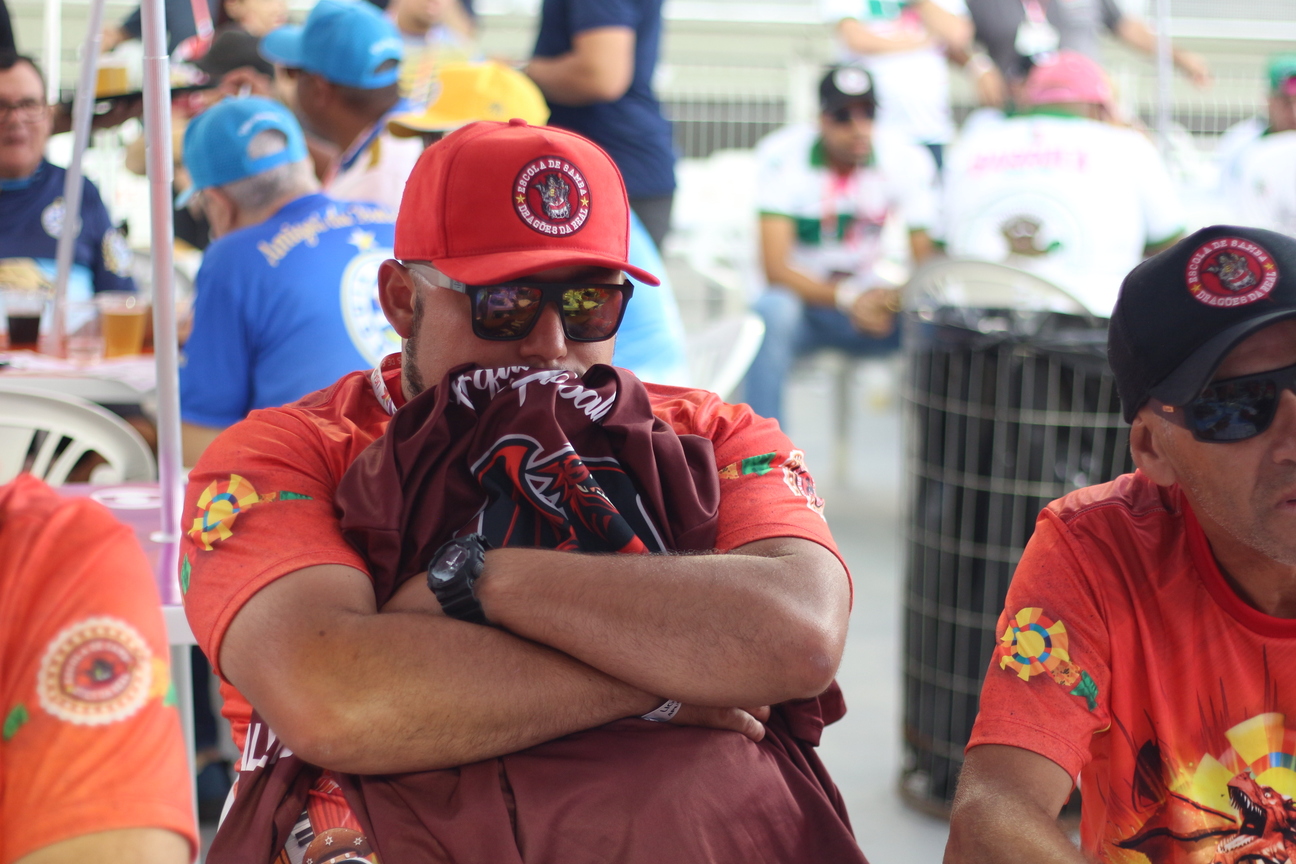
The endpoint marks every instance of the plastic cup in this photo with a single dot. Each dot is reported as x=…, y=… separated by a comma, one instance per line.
x=85, y=342
x=23, y=311
x=122, y=316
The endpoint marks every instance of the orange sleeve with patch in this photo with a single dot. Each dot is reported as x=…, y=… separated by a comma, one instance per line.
x=1048, y=686
x=765, y=489
x=91, y=737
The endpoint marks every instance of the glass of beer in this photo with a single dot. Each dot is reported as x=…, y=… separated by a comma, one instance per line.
x=122, y=316
x=23, y=310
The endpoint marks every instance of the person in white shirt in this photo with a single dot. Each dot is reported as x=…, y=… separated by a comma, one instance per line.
x=345, y=62
x=1061, y=191
x=1265, y=194
x=1234, y=147
x=903, y=45
x=824, y=194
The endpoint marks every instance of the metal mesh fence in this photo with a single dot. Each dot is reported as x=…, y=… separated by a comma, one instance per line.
x=1005, y=412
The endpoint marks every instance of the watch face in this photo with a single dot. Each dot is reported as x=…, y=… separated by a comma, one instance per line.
x=448, y=566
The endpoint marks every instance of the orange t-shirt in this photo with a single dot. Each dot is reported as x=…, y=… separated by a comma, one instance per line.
x=261, y=496
x=1126, y=658
x=91, y=739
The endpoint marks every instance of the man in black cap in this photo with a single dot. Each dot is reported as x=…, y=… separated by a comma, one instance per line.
x=824, y=193
x=1148, y=642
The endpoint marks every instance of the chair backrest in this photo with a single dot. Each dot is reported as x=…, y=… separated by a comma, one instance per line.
x=719, y=353
x=46, y=434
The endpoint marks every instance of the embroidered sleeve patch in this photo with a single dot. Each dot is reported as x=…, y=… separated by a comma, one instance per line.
x=758, y=465
x=797, y=478
x=220, y=504
x=97, y=671
x=1035, y=644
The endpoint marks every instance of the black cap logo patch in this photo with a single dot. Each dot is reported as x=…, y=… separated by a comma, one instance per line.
x=1230, y=271
x=551, y=196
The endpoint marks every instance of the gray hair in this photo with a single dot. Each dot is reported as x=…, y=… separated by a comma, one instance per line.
x=291, y=179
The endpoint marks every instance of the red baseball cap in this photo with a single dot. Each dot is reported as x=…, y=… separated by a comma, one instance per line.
x=496, y=201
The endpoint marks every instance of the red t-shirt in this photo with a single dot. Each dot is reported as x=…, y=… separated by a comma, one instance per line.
x=90, y=738
x=1126, y=658
x=261, y=496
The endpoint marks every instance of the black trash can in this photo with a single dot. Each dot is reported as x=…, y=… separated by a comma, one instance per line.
x=1006, y=410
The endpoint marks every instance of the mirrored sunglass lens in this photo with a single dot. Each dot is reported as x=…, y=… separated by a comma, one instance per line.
x=1234, y=412
x=506, y=311
x=590, y=312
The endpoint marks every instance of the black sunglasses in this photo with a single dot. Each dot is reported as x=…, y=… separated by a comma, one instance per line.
x=589, y=311
x=1233, y=409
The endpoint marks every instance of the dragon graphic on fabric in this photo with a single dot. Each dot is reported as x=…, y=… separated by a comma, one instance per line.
x=1263, y=831
x=570, y=503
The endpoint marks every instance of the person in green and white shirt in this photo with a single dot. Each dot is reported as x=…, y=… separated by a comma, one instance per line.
x=824, y=194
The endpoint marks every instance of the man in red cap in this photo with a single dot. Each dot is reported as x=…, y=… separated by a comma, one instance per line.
x=374, y=708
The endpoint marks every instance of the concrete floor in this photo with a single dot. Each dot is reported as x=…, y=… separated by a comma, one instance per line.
x=864, y=508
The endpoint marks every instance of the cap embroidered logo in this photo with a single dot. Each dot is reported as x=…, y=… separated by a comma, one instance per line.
x=1231, y=271
x=551, y=196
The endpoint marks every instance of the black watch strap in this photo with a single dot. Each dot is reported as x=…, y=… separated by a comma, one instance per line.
x=452, y=574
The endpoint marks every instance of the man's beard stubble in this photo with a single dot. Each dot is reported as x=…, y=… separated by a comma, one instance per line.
x=409, y=354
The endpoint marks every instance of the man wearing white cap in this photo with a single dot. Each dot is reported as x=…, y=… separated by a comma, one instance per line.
x=346, y=64
x=1061, y=191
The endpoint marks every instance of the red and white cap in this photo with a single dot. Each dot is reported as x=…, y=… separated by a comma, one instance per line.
x=497, y=201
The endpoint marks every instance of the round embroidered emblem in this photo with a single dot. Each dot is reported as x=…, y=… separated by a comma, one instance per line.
x=551, y=196
x=95, y=672
x=1230, y=271
x=218, y=506
x=52, y=217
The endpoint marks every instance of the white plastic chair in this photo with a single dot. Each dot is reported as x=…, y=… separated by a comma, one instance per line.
x=46, y=434
x=720, y=353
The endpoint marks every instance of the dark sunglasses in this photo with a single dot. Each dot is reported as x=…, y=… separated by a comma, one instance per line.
x=589, y=311
x=1233, y=409
x=847, y=113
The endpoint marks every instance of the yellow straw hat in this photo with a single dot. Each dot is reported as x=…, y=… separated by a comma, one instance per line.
x=475, y=91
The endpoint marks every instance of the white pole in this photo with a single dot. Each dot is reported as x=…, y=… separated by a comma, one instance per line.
x=82, y=113
x=53, y=49
x=157, y=131
x=1165, y=75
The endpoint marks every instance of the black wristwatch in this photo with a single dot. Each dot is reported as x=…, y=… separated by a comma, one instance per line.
x=452, y=573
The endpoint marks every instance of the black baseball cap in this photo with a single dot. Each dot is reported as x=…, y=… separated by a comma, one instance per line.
x=233, y=49
x=845, y=85
x=1180, y=312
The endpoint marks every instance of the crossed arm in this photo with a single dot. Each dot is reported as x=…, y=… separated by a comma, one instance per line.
x=582, y=640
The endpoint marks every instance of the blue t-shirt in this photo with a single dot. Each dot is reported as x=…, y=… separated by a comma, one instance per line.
x=631, y=129
x=285, y=308
x=31, y=220
x=650, y=342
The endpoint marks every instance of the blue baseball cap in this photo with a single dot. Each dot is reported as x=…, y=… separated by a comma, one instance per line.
x=217, y=140
x=346, y=41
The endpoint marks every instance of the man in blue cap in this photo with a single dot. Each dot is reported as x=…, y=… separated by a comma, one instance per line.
x=287, y=294
x=345, y=63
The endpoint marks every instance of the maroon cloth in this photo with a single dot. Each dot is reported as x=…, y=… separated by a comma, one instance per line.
x=528, y=458
x=477, y=453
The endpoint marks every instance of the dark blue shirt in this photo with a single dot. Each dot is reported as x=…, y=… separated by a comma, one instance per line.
x=31, y=219
x=631, y=129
